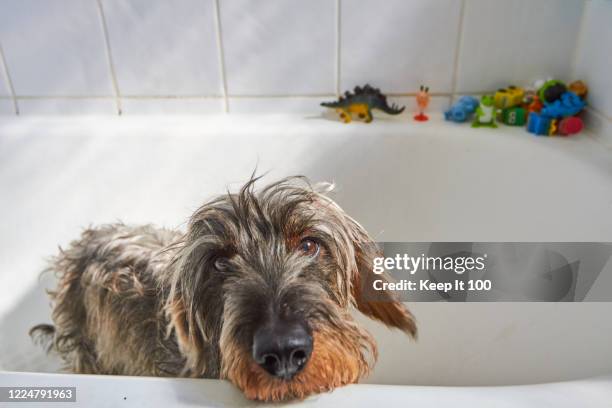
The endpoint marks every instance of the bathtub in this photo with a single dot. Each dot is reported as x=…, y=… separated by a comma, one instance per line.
x=404, y=181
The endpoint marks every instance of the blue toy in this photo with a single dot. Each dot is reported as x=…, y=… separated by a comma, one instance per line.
x=569, y=104
x=462, y=109
x=538, y=124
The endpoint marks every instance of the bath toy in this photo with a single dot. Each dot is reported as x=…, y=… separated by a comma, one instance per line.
x=538, y=83
x=568, y=104
x=515, y=116
x=554, y=125
x=542, y=125
x=551, y=91
x=422, y=99
x=579, y=88
x=508, y=97
x=570, y=126
x=485, y=113
x=462, y=109
x=529, y=96
x=538, y=124
x=361, y=102
x=535, y=105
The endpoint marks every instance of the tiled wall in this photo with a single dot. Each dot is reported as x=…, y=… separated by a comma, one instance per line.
x=211, y=56
x=594, y=64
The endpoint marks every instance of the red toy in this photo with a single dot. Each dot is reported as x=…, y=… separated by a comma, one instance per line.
x=535, y=105
x=422, y=99
x=570, y=126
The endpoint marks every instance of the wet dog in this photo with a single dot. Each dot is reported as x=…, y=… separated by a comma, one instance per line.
x=258, y=291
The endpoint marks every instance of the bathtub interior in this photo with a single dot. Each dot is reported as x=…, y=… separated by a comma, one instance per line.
x=402, y=180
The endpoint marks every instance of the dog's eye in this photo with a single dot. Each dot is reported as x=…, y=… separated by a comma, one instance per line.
x=221, y=263
x=309, y=247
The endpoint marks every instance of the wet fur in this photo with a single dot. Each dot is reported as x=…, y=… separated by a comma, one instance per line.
x=150, y=301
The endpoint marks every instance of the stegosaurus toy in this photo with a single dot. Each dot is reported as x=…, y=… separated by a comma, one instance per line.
x=361, y=102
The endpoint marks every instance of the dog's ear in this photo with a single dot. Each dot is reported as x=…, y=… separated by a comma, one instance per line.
x=382, y=305
x=362, y=251
x=193, y=305
x=190, y=341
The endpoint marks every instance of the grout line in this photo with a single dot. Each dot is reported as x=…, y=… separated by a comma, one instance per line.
x=109, y=55
x=25, y=97
x=222, y=71
x=577, y=46
x=288, y=96
x=52, y=97
x=9, y=81
x=338, y=45
x=172, y=97
x=457, y=52
x=237, y=96
x=323, y=95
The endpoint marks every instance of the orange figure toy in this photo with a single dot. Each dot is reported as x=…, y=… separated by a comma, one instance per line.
x=422, y=99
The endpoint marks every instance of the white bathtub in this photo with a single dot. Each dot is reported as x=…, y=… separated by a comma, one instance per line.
x=403, y=181
x=115, y=391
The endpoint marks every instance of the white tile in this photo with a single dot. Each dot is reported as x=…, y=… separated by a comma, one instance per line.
x=515, y=42
x=54, y=47
x=593, y=63
x=277, y=105
x=64, y=106
x=281, y=47
x=164, y=48
x=139, y=106
x=6, y=107
x=398, y=45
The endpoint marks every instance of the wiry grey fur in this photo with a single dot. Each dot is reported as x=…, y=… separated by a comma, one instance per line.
x=150, y=301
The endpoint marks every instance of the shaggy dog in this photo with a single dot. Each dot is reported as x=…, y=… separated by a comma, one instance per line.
x=257, y=291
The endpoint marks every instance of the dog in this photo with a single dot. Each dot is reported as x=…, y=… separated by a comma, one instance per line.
x=258, y=291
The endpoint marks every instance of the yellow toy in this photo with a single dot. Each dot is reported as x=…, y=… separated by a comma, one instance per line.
x=508, y=97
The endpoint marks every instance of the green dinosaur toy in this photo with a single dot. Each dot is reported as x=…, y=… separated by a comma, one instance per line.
x=485, y=113
x=361, y=102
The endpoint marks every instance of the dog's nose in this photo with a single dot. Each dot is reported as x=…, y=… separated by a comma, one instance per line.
x=282, y=349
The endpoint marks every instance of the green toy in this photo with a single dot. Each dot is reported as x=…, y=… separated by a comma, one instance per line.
x=515, y=116
x=485, y=113
x=361, y=102
x=551, y=91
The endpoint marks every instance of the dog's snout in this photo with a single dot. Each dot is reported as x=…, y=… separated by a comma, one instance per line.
x=282, y=349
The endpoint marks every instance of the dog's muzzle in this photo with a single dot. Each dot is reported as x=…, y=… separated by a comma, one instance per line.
x=282, y=348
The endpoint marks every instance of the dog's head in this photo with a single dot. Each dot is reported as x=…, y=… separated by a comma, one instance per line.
x=262, y=290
